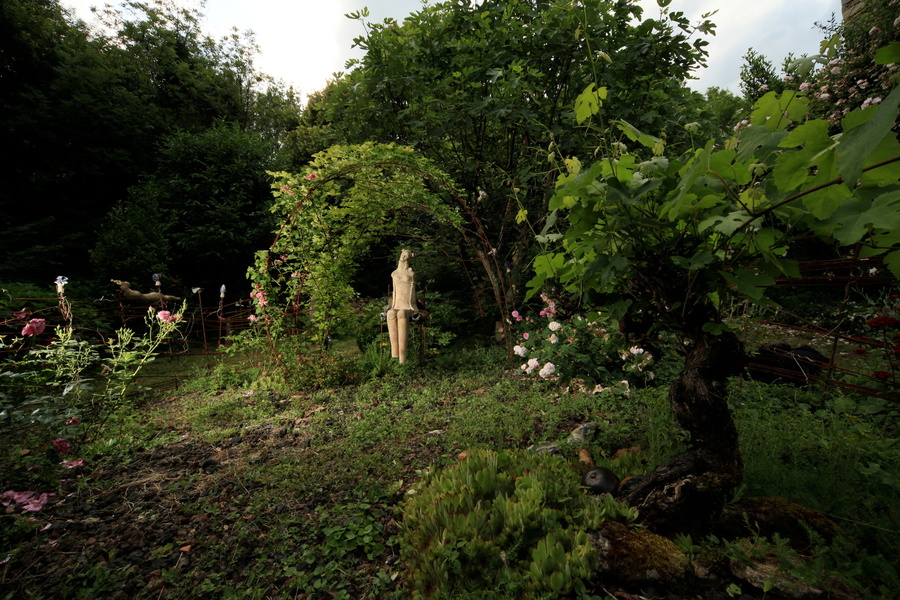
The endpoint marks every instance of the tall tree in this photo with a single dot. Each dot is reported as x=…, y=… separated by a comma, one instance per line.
x=87, y=111
x=485, y=90
x=661, y=242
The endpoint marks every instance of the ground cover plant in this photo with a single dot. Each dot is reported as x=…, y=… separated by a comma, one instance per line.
x=267, y=491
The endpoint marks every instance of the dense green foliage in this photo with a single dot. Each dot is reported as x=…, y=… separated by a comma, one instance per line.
x=724, y=218
x=89, y=113
x=486, y=90
x=513, y=523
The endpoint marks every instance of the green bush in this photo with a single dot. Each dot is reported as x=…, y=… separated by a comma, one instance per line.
x=512, y=523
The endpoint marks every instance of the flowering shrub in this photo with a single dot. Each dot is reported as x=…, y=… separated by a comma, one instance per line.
x=48, y=404
x=850, y=78
x=582, y=347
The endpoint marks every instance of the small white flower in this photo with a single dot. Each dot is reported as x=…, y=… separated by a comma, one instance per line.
x=547, y=370
x=554, y=326
x=636, y=350
x=553, y=339
x=804, y=87
x=520, y=350
x=873, y=271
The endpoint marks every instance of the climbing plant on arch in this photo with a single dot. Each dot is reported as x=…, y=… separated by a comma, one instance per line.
x=348, y=198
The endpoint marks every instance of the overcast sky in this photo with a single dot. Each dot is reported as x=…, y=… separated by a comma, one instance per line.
x=303, y=42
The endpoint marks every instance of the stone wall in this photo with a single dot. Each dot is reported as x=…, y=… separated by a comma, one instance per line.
x=849, y=8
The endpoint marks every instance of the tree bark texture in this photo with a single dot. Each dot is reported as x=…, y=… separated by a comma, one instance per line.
x=688, y=493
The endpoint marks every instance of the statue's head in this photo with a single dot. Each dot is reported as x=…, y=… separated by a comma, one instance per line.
x=406, y=254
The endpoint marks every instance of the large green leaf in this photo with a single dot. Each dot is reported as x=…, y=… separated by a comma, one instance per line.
x=857, y=144
x=758, y=142
x=857, y=217
x=588, y=103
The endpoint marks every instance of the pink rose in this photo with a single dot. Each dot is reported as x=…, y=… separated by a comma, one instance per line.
x=167, y=317
x=34, y=327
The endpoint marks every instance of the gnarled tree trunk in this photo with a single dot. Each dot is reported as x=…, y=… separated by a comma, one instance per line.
x=688, y=493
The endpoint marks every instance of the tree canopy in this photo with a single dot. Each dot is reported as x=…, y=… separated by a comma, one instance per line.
x=91, y=113
x=487, y=92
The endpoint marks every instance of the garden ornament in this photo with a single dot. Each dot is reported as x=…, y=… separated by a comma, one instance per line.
x=402, y=308
x=130, y=294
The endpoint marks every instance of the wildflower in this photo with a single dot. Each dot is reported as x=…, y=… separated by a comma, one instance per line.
x=824, y=96
x=547, y=370
x=34, y=327
x=61, y=446
x=763, y=88
x=516, y=315
x=835, y=70
x=554, y=326
x=73, y=421
x=636, y=350
x=312, y=176
x=20, y=314
x=526, y=335
x=253, y=318
x=553, y=339
x=520, y=350
x=71, y=464
x=167, y=317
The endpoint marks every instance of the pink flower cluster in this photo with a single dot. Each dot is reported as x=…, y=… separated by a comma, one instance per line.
x=550, y=309
x=34, y=327
x=27, y=501
x=259, y=294
x=167, y=317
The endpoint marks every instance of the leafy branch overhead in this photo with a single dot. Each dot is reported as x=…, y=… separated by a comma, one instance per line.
x=725, y=218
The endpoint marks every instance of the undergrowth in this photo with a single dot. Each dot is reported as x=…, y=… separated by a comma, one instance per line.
x=303, y=486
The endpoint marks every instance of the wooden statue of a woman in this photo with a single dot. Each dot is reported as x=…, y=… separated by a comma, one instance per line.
x=402, y=306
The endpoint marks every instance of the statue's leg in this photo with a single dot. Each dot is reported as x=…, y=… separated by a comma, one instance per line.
x=392, y=333
x=402, y=333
